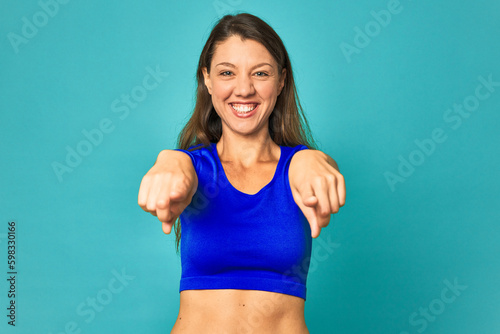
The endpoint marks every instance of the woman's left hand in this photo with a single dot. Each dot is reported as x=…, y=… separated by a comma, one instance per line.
x=317, y=186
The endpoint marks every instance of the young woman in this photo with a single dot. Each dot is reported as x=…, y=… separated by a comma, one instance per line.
x=248, y=186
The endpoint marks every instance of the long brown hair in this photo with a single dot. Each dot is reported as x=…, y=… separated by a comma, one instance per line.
x=287, y=123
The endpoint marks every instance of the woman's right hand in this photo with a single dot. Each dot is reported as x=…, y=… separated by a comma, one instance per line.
x=168, y=187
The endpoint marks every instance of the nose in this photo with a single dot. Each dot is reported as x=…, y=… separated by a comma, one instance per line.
x=244, y=86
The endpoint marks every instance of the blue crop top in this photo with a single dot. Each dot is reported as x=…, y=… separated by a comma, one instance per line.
x=234, y=240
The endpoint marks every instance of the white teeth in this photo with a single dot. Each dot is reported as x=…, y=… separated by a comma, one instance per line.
x=243, y=108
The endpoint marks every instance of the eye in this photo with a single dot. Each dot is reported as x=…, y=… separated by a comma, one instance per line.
x=262, y=74
x=224, y=73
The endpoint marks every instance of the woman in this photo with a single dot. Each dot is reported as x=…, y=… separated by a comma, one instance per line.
x=250, y=191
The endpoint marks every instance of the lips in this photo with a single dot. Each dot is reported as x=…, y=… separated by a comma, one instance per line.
x=243, y=107
x=244, y=110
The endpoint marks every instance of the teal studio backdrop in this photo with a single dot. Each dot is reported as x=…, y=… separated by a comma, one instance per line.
x=404, y=95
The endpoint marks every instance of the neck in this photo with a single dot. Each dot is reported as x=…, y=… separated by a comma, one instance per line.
x=247, y=151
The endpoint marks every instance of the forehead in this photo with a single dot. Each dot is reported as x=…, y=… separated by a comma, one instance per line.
x=236, y=51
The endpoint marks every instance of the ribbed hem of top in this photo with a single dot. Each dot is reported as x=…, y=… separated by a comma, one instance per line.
x=243, y=283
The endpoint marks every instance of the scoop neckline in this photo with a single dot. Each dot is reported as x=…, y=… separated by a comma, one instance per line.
x=219, y=163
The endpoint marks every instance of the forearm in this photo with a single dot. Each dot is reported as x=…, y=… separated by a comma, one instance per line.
x=305, y=162
x=301, y=159
x=175, y=161
x=174, y=158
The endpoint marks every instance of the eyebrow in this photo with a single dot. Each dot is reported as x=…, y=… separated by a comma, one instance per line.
x=231, y=65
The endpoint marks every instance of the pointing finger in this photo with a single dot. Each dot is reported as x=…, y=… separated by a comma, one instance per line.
x=310, y=214
x=166, y=227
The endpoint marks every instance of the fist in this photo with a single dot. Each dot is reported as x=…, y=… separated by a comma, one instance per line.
x=168, y=187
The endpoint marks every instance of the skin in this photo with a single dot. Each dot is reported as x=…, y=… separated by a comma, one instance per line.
x=249, y=158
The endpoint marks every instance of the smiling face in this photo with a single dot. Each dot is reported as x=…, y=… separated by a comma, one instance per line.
x=244, y=83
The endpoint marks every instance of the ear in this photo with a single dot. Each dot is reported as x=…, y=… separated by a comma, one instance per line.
x=208, y=82
x=282, y=80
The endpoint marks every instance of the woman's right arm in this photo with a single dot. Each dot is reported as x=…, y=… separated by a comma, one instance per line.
x=168, y=187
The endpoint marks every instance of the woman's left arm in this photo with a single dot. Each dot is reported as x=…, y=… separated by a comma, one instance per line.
x=317, y=186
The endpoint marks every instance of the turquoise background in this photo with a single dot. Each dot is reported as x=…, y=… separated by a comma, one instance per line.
x=393, y=247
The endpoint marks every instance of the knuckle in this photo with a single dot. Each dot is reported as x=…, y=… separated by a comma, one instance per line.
x=327, y=178
x=150, y=206
x=319, y=178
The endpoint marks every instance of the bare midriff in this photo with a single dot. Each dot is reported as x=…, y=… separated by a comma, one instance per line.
x=230, y=311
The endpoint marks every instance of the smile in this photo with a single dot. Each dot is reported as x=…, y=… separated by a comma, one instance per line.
x=243, y=108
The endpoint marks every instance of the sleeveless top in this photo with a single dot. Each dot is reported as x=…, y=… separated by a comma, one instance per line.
x=234, y=240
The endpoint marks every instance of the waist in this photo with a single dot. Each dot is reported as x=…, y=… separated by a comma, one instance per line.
x=232, y=311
